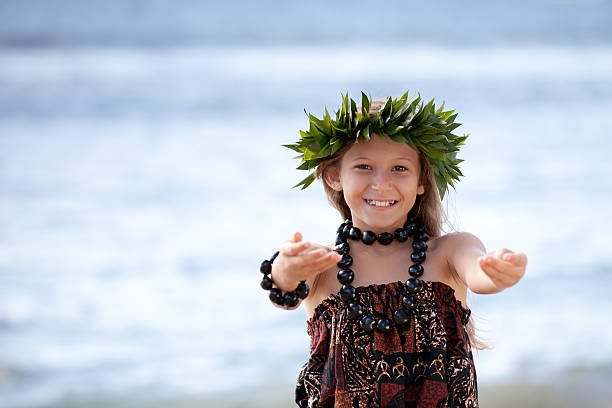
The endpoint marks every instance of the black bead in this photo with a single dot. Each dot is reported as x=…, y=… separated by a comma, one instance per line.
x=346, y=276
x=340, y=239
x=345, y=262
x=413, y=285
x=276, y=296
x=416, y=270
x=290, y=299
x=343, y=248
x=347, y=293
x=411, y=227
x=385, y=238
x=400, y=317
x=401, y=234
x=347, y=229
x=266, y=282
x=354, y=311
x=266, y=267
x=274, y=256
x=340, y=228
x=408, y=302
x=383, y=325
x=419, y=246
x=302, y=290
x=422, y=236
x=355, y=233
x=348, y=221
x=418, y=257
x=368, y=237
x=367, y=323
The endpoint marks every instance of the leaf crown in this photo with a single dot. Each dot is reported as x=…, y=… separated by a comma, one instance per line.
x=401, y=119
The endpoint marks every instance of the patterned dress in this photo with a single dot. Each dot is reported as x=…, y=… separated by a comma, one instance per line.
x=427, y=363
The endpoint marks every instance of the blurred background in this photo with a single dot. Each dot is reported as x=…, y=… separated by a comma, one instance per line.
x=142, y=182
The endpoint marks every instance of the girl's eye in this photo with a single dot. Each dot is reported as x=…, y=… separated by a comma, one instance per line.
x=365, y=166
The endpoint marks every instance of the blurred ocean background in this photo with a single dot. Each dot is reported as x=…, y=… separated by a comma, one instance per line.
x=142, y=182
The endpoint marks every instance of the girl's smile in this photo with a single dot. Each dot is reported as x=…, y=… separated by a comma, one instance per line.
x=381, y=205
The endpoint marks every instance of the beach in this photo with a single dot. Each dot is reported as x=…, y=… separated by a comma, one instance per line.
x=143, y=180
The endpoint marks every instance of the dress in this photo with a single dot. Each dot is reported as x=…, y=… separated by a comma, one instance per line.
x=427, y=363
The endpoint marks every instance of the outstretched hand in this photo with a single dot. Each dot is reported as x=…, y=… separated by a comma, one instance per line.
x=300, y=260
x=504, y=267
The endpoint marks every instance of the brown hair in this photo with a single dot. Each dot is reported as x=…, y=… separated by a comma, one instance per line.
x=428, y=209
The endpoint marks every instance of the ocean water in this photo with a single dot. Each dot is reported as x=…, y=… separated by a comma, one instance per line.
x=142, y=182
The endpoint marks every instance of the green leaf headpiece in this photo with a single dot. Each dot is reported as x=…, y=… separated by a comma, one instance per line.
x=401, y=119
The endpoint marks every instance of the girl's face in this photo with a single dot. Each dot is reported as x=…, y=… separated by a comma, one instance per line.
x=381, y=171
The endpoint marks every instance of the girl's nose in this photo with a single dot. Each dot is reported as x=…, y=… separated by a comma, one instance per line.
x=381, y=182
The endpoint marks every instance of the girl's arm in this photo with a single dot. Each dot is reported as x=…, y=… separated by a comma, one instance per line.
x=483, y=272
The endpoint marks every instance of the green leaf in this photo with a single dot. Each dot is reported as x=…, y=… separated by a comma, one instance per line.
x=410, y=142
x=335, y=147
x=318, y=137
x=365, y=135
x=293, y=147
x=365, y=104
x=398, y=138
x=392, y=129
x=386, y=111
x=439, y=111
x=306, y=182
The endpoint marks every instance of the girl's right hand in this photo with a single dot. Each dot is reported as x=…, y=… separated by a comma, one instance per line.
x=298, y=261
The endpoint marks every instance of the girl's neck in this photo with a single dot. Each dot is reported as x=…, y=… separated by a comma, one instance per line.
x=378, y=249
x=390, y=228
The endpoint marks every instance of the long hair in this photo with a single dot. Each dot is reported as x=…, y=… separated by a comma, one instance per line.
x=428, y=210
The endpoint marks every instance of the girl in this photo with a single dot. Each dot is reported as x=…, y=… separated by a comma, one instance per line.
x=378, y=340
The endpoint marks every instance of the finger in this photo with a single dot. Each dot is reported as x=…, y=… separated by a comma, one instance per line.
x=316, y=254
x=296, y=237
x=499, y=265
x=315, y=261
x=500, y=252
x=516, y=258
x=495, y=278
x=293, y=249
x=323, y=263
x=498, y=278
x=501, y=271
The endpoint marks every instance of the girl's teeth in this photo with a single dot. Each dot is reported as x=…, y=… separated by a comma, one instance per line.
x=381, y=203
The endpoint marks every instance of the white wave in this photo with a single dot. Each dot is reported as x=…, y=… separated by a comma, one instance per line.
x=307, y=62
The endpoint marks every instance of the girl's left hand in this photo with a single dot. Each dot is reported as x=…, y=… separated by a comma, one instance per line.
x=503, y=267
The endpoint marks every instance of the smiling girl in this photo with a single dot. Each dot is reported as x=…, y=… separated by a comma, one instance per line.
x=377, y=339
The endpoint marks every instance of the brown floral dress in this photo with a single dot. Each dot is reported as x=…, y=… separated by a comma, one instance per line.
x=427, y=363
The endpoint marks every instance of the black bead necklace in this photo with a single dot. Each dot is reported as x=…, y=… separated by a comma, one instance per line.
x=412, y=286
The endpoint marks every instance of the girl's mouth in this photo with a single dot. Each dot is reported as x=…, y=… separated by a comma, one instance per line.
x=380, y=205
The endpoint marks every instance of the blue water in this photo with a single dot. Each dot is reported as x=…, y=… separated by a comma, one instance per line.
x=142, y=181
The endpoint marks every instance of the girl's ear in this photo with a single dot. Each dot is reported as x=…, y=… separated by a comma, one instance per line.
x=331, y=175
x=420, y=189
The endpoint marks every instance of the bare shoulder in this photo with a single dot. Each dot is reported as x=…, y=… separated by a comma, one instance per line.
x=460, y=249
x=459, y=240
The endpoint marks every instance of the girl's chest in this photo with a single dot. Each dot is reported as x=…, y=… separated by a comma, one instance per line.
x=370, y=269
